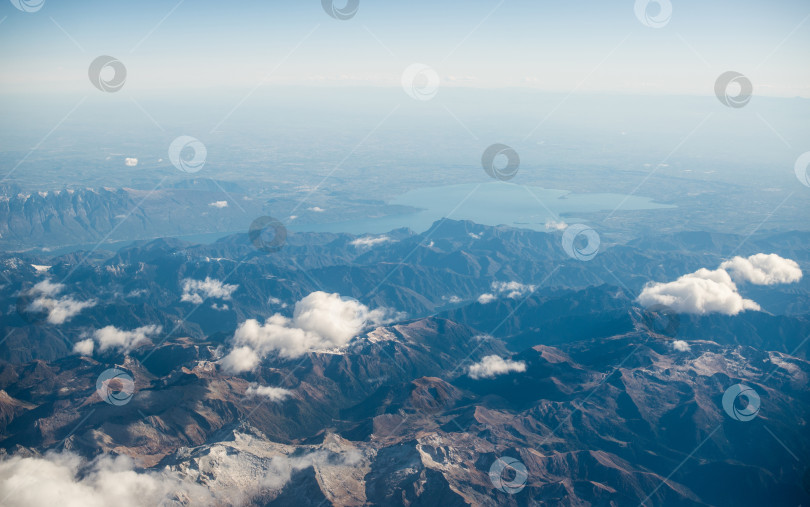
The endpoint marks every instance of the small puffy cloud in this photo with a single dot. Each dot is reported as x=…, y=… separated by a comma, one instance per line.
x=271, y=393
x=715, y=291
x=681, y=346
x=320, y=322
x=452, y=299
x=219, y=204
x=370, y=241
x=130, y=162
x=700, y=293
x=474, y=235
x=240, y=359
x=512, y=290
x=84, y=347
x=486, y=299
x=47, y=288
x=316, y=209
x=276, y=301
x=66, y=478
x=492, y=366
x=554, y=225
x=59, y=309
x=763, y=269
x=111, y=337
x=220, y=308
x=196, y=291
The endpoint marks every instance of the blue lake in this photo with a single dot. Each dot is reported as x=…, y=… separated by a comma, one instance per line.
x=495, y=203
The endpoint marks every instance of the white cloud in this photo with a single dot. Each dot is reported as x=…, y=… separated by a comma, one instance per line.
x=111, y=337
x=67, y=479
x=316, y=209
x=492, y=366
x=276, y=301
x=130, y=162
x=512, y=290
x=241, y=359
x=706, y=291
x=486, y=299
x=196, y=291
x=554, y=225
x=84, y=347
x=681, y=346
x=46, y=288
x=701, y=293
x=219, y=204
x=59, y=310
x=763, y=269
x=474, y=235
x=320, y=322
x=271, y=393
x=369, y=241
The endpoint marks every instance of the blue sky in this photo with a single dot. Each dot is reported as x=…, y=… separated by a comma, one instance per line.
x=587, y=46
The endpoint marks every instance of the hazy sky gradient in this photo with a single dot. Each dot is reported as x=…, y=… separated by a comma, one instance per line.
x=551, y=46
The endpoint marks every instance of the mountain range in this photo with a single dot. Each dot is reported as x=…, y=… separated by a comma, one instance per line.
x=494, y=347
